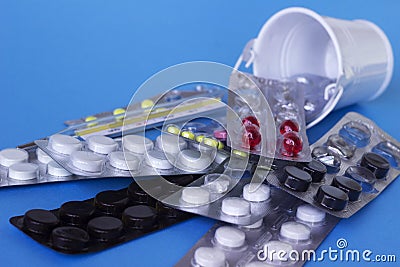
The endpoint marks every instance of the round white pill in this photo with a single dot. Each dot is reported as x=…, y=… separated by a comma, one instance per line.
x=23, y=171
x=255, y=225
x=87, y=161
x=64, y=144
x=230, y=237
x=308, y=213
x=277, y=250
x=42, y=156
x=158, y=159
x=235, y=206
x=295, y=231
x=209, y=257
x=10, y=156
x=101, y=144
x=189, y=159
x=124, y=160
x=54, y=169
x=257, y=264
x=256, y=192
x=137, y=144
x=171, y=144
x=195, y=195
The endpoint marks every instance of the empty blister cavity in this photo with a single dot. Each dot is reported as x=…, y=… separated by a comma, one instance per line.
x=331, y=161
x=10, y=156
x=389, y=151
x=64, y=144
x=339, y=145
x=348, y=185
x=170, y=143
x=23, y=171
x=101, y=144
x=87, y=161
x=256, y=192
x=310, y=214
x=295, y=231
x=363, y=176
x=235, y=206
x=217, y=183
x=295, y=178
x=192, y=160
x=54, y=169
x=377, y=164
x=137, y=144
x=277, y=251
x=356, y=133
x=209, y=257
x=195, y=195
x=229, y=237
x=158, y=159
x=125, y=161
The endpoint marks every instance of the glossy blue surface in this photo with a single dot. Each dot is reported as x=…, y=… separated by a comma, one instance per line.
x=65, y=59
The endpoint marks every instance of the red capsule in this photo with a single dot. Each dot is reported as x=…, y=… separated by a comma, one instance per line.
x=288, y=126
x=292, y=144
x=251, y=136
x=250, y=120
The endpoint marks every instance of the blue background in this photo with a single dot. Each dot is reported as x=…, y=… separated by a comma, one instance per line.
x=64, y=59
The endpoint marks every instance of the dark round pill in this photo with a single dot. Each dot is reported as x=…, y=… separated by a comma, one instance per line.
x=295, y=178
x=69, y=238
x=316, y=169
x=76, y=213
x=348, y=185
x=377, y=164
x=331, y=197
x=111, y=202
x=140, y=217
x=331, y=161
x=363, y=176
x=40, y=221
x=138, y=196
x=105, y=228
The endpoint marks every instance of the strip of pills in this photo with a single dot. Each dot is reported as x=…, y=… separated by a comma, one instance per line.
x=353, y=163
x=292, y=226
x=101, y=156
x=110, y=218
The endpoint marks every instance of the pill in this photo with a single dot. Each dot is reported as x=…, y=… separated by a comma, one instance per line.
x=277, y=251
x=209, y=257
x=89, y=119
x=217, y=183
x=331, y=197
x=235, y=206
x=137, y=144
x=69, y=238
x=295, y=178
x=140, y=217
x=295, y=231
x=105, y=228
x=101, y=144
x=158, y=159
x=23, y=171
x=173, y=129
x=255, y=225
x=229, y=237
x=188, y=134
x=171, y=144
x=348, y=185
x=39, y=221
x=316, y=169
x=292, y=144
x=308, y=213
x=256, y=192
x=193, y=160
x=220, y=134
x=147, y=103
x=10, y=156
x=240, y=153
x=42, y=156
x=250, y=120
x=208, y=141
x=118, y=111
x=288, y=126
x=124, y=160
x=54, y=169
x=87, y=161
x=251, y=137
x=138, y=196
x=64, y=144
x=111, y=202
x=377, y=164
x=195, y=195
x=363, y=176
x=76, y=213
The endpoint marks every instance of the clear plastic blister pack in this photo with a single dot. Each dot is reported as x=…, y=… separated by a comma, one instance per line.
x=101, y=156
x=292, y=226
x=285, y=101
x=353, y=163
x=112, y=217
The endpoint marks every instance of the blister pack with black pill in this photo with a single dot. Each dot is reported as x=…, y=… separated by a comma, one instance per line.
x=110, y=218
x=101, y=156
x=292, y=226
x=352, y=164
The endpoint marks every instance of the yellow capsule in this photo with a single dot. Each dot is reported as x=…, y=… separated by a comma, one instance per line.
x=199, y=138
x=91, y=118
x=147, y=103
x=220, y=145
x=240, y=153
x=188, y=135
x=118, y=111
x=173, y=129
x=210, y=142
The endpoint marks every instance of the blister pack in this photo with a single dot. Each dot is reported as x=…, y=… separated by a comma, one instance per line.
x=30, y=166
x=110, y=218
x=353, y=163
x=101, y=156
x=293, y=229
x=251, y=98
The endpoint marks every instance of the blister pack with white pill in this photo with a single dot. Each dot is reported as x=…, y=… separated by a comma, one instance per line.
x=352, y=164
x=102, y=156
x=256, y=104
x=282, y=238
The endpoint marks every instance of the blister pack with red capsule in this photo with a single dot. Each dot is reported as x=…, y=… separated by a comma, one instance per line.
x=266, y=117
x=352, y=164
